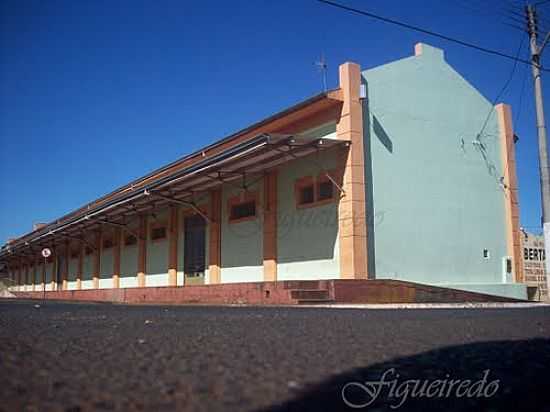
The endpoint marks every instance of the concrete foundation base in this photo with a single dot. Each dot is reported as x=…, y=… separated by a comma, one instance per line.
x=278, y=293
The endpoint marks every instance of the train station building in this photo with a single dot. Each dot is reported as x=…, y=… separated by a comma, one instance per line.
x=394, y=175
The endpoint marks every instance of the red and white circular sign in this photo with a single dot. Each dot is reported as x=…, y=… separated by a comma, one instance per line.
x=46, y=252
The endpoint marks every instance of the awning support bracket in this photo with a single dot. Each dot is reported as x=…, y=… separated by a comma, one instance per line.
x=182, y=202
x=80, y=240
x=114, y=224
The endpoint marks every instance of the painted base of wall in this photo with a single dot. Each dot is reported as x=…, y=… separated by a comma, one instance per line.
x=279, y=293
x=510, y=290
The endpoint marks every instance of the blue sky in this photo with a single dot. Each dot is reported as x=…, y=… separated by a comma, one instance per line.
x=95, y=94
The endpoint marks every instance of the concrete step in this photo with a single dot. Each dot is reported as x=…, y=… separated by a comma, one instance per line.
x=314, y=301
x=301, y=284
x=301, y=294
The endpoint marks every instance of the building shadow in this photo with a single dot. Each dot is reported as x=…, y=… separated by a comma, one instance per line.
x=519, y=368
x=381, y=134
x=369, y=190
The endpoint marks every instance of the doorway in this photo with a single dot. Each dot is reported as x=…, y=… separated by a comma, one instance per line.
x=194, y=252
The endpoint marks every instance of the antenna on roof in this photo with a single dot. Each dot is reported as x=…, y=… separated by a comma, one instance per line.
x=322, y=66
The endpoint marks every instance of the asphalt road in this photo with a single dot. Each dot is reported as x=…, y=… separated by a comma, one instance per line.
x=83, y=357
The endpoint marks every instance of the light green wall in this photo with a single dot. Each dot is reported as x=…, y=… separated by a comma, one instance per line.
x=49, y=268
x=434, y=201
x=157, y=259
x=71, y=276
x=128, y=266
x=242, y=243
x=106, y=269
x=87, y=267
x=181, y=236
x=157, y=252
x=307, y=239
x=28, y=283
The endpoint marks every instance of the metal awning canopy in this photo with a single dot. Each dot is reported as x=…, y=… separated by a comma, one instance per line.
x=252, y=157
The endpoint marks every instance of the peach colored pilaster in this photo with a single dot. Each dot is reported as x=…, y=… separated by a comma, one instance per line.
x=25, y=287
x=30, y=271
x=43, y=277
x=65, y=274
x=22, y=277
x=80, y=266
x=97, y=259
x=173, y=247
x=23, y=282
x=19, y=275
x=14, y=275
x=511, y=198
x=142, y=251
x=54, y=269
x=117, y=240
x=352, y=210
x=215, y=246
x=11, y=275
x=270, y=226
x=34, y=269
x=31, y=275
x=26, y=274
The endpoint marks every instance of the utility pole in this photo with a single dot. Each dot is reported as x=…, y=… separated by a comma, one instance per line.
x=536, y=52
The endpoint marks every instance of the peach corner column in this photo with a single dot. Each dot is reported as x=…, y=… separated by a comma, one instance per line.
x=142, y=251
x=96, y=269
x=117, y=240
x=173, y=233
x=270, y=226
x=80, y=266
x=215, y=238
x=352, y=209
x=511, y=198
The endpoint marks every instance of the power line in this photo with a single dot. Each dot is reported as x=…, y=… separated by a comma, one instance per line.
x=428, y=32
x=479, y=143
x=504, y=87
x=520, y=104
